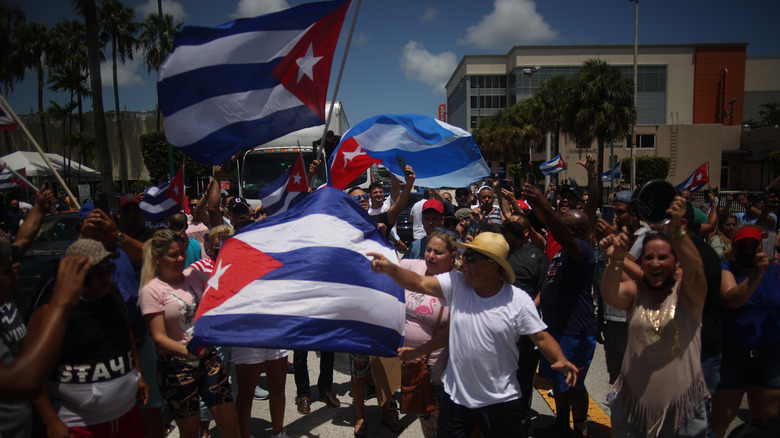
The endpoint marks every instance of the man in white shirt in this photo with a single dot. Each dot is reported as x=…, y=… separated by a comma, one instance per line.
x=488, y=315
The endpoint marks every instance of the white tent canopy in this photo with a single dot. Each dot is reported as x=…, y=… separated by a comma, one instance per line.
x=34, y=165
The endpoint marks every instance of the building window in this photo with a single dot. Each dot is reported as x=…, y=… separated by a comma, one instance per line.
x=724, y=173
x=646, y=141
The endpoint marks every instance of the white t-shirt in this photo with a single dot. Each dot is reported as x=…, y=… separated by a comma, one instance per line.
x=382, y=208
x=416, y=213
x=483, y=341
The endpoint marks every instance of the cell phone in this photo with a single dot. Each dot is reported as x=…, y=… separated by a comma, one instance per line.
x=768, y=240
x=102, y=203
x=506, y=183
x=402, y=163
x=608, y=213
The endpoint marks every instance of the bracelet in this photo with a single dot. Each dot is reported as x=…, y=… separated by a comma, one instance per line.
x=617, y=265
x=678, y=234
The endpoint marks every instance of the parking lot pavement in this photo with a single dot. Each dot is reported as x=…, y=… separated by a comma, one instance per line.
x=326, y=422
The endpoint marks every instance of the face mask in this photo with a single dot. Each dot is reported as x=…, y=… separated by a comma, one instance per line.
x=745, y=259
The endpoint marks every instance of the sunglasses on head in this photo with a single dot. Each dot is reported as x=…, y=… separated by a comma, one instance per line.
x=359, y=197
x=471, y=256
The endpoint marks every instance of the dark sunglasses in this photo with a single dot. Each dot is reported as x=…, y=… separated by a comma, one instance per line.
x=471, y=256
x=359, y=197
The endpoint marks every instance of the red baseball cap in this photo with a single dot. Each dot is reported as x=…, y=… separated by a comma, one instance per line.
x=434, y=205
x=128, y=198
x=747, y=232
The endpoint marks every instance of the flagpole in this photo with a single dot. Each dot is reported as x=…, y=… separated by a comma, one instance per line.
x=336, y=91
x=13, y=115
x=24, y=180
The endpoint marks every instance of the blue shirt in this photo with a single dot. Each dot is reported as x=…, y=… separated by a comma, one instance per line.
x=756, y=324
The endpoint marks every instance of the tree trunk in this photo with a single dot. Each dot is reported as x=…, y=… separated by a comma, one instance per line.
x=102, y=153
x=44, y=140
x=122, y=149
x=600, y=171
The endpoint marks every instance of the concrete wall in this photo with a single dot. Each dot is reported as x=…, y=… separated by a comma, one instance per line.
x=133, y=125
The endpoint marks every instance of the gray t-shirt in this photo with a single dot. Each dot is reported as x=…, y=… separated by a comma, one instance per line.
x=15, y=418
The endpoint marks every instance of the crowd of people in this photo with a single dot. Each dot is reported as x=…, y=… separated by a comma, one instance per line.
x=499, y=282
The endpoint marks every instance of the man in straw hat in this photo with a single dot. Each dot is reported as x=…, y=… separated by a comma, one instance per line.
x=487, y=317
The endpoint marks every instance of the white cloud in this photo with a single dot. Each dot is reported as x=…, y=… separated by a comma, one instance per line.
x=512, y=22
x=421, y=65
x=360, y=39
x=428, y=15
x=168, y=7
x=127, y=75
x=252, y=8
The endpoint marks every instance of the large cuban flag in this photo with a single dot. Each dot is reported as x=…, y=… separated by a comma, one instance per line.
x=697, y=180
x=441, y=155
x=248, y=81
x=301, y=280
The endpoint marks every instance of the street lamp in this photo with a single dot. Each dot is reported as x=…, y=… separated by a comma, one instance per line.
x=530, y=72
x=636, y=109
x=463, y=80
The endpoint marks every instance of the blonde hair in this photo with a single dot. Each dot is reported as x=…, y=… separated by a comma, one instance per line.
x=221, y=230
x=449, y=242
x=156, y=246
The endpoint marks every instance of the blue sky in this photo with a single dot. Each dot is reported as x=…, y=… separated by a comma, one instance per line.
x=404, y=51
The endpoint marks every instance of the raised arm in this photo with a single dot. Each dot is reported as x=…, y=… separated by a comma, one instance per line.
x=712, y=218
x=734, y=295
x=555, y=225
x=213, y=201
x=395, y=210
x=593, y=188
x=406, y=279
x=693, y=289
x=32, y=224
x=618, y=294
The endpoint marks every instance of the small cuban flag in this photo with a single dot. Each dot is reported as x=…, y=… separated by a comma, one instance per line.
x=553, y=166
x=697, y=180
x=606, y=177
x=166, y=199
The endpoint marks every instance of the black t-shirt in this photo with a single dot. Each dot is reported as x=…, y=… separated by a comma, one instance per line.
x=530, y=265
x=711, y=330
x=97, y=341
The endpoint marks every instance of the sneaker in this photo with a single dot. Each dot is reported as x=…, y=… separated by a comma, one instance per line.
x=290, y=368
x=260, y=393
x=283, y=434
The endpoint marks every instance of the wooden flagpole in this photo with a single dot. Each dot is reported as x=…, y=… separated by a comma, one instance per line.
x=40, y=151
x=335, y=93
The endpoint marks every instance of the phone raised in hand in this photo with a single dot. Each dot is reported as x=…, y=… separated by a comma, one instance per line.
x=608, y=213
x=402, y=162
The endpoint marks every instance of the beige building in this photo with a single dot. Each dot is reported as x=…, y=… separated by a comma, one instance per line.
x=691, y=102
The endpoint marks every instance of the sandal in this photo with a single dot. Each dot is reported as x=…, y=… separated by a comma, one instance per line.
x=393, y=424
x=361, y=429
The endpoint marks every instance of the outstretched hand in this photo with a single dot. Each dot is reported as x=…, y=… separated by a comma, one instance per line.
x=380, y=264
x=590, y=163
x=568, y=369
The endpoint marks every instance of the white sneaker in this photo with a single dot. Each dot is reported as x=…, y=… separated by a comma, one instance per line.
x=281, y=435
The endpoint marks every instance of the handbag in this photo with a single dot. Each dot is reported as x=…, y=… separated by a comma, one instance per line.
x=416, y=389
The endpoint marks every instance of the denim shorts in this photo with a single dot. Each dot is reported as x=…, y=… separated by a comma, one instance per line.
x=579, y=351
x=356, y=357
x=742, y=368
x=183, y=382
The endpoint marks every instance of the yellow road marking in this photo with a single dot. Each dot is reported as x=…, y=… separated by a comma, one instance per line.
x=598, y=417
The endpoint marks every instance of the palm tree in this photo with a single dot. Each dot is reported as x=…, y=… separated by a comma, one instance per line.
x=508, y=133
x=600, y=97
x=88, y=10
x=550, y=102
x=11, y=70
x=118, y=26
x=69, y=62
x=149, y=42
x=63, y=113
x=32, y=40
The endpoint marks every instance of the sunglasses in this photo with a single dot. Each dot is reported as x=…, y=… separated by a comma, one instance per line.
x=471, y=256
x=359, y=197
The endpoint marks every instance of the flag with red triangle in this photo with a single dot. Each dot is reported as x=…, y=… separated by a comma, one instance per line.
x=697, y=180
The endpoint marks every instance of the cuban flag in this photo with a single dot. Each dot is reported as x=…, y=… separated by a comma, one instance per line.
x=441, y=155
x=6, y=122
x=697, y=180
x=9, y=180
x=286, y=190
x=606, y=177
x=553, y=166
x=248, y=81
x=301, y=280
x=166, y=199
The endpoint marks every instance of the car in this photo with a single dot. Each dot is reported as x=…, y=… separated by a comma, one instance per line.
x=404, y=227
x=38, y=267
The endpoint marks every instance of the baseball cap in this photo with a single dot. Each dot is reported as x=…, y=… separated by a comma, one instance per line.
x=237, y=203
x=90, y=248
x=623, y=196
x=86, y=209
x=434, y=205
x=463, y=213
x=747, y=232
x=128, y=198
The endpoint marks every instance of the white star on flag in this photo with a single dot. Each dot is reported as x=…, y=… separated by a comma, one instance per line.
x=214, y=280
x=349, y=156
x=297, y=177
x=306, y=63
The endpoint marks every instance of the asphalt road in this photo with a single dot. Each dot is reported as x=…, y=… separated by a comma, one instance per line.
x=325, y=422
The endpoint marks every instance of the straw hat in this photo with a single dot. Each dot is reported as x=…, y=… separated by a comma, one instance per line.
x=494, y=247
